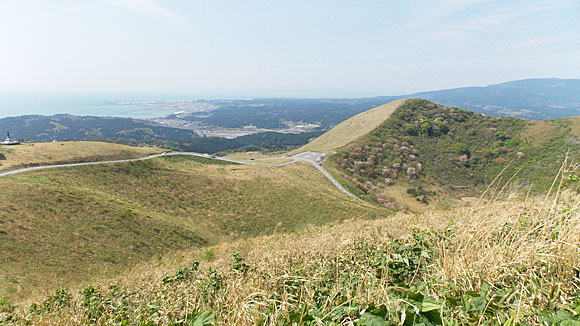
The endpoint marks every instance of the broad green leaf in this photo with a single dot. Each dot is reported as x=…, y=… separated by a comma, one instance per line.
x=206, y=318
x=429, y=306
x=368, y=319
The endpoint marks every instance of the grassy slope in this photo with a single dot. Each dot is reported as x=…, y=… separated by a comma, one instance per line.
x=246, y=156
x=512, y=261
x=435, y=153
x=351, y=129
x=63, y=226
x=67, y=152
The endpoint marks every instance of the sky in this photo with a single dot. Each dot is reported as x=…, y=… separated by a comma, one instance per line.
x=294, y=48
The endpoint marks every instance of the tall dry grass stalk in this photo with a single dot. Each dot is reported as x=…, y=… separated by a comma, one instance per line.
x=515, y=241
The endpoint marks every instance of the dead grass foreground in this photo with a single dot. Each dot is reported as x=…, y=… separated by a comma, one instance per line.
x=517, y=258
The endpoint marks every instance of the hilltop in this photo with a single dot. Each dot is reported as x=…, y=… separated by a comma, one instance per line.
x=351, y=129
x=427, y=151
x=35, y=154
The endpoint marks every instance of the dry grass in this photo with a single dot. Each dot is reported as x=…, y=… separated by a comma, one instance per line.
x=63, y=152
x=258, y=158
x=246, y=156
x=351, y=129
x=513, y=239
x=275, y=260
x=516, y=241
x=575, y=126
x=536, y=132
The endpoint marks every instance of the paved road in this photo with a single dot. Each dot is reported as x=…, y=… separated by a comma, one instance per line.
x=313, y=158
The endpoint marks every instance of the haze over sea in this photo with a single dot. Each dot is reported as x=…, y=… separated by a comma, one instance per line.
x=114, y=105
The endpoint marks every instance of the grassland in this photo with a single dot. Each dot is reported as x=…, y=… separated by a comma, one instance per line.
x=508, y=261
x=575, y=125
x=258, y=157
x=246, y=156
x=34, y=154
x=351, y=129
x=65, y=226
x=190, y=241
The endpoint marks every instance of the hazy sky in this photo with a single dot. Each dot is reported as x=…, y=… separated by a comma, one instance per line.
x=282, y=48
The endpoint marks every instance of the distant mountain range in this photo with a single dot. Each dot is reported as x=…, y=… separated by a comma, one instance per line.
x=535, y=99
x=70, y=127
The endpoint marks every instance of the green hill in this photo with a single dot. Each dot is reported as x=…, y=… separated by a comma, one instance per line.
x=426, y=151
x=63, y=226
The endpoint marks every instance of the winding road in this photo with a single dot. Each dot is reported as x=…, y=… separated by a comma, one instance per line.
x=313, y=158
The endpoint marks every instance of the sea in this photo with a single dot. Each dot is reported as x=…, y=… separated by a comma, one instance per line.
x=138, y=106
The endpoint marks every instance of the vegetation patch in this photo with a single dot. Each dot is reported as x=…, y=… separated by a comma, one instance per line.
x=426, y=146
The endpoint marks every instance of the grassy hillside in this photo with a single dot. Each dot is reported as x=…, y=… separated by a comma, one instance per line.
x=431, y=151
x=351, y=129
x=34, y=154
x=60, y=227
x=508, y=262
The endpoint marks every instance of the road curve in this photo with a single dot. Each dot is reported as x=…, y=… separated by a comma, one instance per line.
x=313, y=158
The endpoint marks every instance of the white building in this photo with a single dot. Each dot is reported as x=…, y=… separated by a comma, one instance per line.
x=9, y=141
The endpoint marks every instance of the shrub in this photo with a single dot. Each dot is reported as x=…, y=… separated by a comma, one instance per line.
x=461, y=149
x=426, y=128
x=5, y=305
x=59, y=300
x=501, y=135
x=410, y=129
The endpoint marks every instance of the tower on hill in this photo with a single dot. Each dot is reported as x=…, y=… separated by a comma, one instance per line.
x=9, y=141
